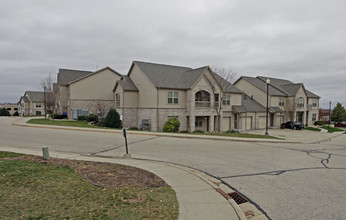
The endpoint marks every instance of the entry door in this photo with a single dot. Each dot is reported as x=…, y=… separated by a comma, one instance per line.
x=271, y=119
x=300, y=117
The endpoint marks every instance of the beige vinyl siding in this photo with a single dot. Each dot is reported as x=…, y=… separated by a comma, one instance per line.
x=130, y=99
x=252, y=90
x=97, y=86
x=147, y=97
x=163, y=98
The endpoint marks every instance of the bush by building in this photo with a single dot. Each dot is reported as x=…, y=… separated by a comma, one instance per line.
x=57, y=116
x=4, y=112
x=112, y=119
x=171, y=125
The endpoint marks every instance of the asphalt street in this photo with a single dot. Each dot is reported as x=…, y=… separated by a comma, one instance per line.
x=287, y=181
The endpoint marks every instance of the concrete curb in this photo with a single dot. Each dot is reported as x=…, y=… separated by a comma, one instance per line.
x=198, y=192
x=157, y=134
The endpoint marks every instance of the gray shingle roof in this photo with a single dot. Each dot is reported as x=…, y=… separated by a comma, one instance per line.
x=127, y=84
x=262, y=85
x=312, y=95
x=227, y=86
x=168, y=76
x=278, y=87
x=65, y=76
x=290, y=89
x=251, y=105
x=35, y=96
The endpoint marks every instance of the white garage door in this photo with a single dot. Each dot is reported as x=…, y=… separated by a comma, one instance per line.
x=262, y=122
x=247, y=122
x=226, y=124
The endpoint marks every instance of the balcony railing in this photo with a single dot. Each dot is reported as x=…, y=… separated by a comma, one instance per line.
x=202, y=103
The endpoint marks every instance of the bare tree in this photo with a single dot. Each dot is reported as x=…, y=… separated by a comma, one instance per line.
x=51, y=95
x=290, y=109
x=224, y=77
x=101, y=108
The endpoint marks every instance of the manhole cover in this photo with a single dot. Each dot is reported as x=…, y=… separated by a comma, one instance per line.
x=239, y=199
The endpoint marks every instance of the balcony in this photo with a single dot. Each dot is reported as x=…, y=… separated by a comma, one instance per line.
x=202, y=103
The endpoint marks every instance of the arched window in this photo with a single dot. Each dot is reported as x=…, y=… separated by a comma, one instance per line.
x=202, y=99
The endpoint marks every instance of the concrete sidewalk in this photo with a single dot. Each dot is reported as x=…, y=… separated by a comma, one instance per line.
x=199, y=195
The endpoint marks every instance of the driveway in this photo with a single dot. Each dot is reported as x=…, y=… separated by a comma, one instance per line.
x=287, y=181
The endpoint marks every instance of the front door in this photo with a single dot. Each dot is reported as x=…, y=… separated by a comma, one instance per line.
x=271, y=119
x=300, y=117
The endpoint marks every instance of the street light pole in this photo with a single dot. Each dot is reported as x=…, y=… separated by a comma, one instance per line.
x=268, y=82
x=45, y=102
x=330, y=113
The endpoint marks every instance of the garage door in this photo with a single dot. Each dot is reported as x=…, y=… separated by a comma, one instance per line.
x=247, y=122
x=262, y=122
x=226, y=124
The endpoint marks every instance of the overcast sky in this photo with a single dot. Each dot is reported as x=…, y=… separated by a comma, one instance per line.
x=302, y=41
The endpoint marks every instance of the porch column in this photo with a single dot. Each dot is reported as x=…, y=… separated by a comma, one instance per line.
x=191, y=123
x=211, y=123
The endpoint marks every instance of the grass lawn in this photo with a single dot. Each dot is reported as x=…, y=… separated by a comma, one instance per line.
x=68, y=123
x=32, y=189
x=312, y=129
x=332, y=129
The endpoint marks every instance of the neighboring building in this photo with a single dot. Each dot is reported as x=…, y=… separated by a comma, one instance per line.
x=32, y=103
x=78, y=92
x=324, y=115
x=11, y=108
x=157, y=92
x=281, y=92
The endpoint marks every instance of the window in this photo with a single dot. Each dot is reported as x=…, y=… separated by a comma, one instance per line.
x=198, y=121
x=314, y=117
x=226, y=100
x=216, y=98
x=16, y=109
x=173, y=97
x=38, y=105
x=300, y=102
x=314, y=103
x=281, y=102
x=9, y=109
x=117, y=99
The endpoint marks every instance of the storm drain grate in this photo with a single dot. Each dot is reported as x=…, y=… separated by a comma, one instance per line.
x=239, y=199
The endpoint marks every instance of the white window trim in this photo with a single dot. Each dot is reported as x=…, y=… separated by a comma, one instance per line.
x=226, y=100
x=174, y=96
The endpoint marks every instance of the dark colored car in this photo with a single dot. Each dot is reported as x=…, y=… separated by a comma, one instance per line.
x=296, y=125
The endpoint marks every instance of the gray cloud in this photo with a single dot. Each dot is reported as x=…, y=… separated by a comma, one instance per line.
x=302, y=41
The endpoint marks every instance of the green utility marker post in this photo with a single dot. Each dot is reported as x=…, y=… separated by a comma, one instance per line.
x=45, y=153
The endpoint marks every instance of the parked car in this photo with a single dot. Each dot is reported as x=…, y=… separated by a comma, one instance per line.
x=296, y=125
